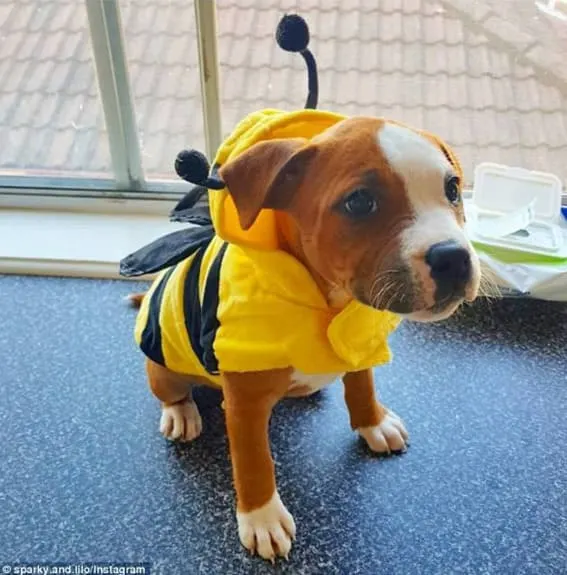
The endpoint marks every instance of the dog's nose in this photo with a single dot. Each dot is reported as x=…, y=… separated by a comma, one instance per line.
x=450, y=266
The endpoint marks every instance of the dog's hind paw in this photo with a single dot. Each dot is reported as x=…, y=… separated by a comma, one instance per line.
x=181, y=421
x=268, y=530
x=387, y=437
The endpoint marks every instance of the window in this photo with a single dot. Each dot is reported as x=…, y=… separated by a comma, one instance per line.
x=51, y=121
x=488, y=76
x=97, y=97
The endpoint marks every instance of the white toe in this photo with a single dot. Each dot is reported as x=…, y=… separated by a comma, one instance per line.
x=264, y=544
x=390, y=435
x=181, y=421
x=269, y=530
x=281, y=539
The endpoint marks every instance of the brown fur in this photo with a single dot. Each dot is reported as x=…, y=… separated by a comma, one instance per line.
x=249, y=399
x=171, y=387
x=136, y=299
x=360, y=396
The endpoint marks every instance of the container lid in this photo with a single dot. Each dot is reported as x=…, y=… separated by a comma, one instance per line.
x=503, y=189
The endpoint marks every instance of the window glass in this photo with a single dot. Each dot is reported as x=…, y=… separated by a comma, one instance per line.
x=488, y=76
x=161, y=46
x=51, y=120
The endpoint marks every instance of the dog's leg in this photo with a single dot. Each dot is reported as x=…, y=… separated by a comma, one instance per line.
x=264, y=524
x=180, y=418
x=382, y=429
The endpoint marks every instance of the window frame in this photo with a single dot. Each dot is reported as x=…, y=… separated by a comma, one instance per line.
x=127, y=185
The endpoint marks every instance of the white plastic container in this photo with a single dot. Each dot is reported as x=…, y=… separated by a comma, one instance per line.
x=517, y=209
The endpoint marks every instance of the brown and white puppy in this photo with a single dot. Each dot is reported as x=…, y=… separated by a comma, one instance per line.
x=373, y=209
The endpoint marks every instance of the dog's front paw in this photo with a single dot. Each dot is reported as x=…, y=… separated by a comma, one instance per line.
x=269, y=530
x=181, y=421
x=390, y=435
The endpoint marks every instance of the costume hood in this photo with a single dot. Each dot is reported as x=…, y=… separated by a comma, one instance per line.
x=259, y=127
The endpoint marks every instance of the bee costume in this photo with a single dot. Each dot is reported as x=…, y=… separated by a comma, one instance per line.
x=226, y=299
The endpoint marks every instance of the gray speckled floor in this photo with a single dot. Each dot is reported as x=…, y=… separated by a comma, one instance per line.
x=85, y=475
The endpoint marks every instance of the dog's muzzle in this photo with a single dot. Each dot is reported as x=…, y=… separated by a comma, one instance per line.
x=451, y=269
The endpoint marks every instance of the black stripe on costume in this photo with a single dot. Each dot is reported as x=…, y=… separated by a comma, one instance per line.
x=209, y=313
x=201, y=322
x=192, y=305
x=151, y=336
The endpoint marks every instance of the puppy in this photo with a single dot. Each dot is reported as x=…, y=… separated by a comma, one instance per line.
x=320, y=245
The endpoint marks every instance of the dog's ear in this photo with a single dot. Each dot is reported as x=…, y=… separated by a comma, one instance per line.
x=266, y=176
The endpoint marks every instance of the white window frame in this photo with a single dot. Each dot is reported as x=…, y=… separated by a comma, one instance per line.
x=128, y=187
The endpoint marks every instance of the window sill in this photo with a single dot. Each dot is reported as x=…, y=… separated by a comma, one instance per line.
x=75, y=244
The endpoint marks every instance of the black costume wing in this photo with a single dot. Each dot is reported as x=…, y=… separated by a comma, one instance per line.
x=193, y=208
x=172, y=248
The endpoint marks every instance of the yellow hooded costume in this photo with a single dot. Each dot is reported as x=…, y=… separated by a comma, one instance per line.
x=239, y=303
x=231, y=300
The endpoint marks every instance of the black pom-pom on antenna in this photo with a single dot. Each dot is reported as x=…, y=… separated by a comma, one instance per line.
x=192, y=166
x=292, y=34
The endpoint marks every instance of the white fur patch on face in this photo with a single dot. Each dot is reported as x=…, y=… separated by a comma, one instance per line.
x=420, y=164
x=431, y=227
x=423, y=167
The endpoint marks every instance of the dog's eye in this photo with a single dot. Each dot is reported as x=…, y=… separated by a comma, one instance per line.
x=359, y=203
x=452, y=190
